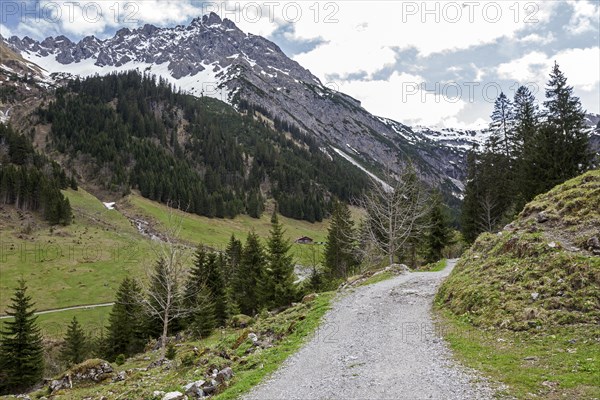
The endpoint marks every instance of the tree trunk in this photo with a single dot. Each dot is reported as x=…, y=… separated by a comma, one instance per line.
x=163, y=345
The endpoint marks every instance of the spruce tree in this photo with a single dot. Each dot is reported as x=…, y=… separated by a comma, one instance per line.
x=340, y=257
x=439, y=234
x=201, y=320
x=470, y=208
x=565, y=114
x=502, y=125
x=526, y=128
x=233, y=253
x=559, y=148
x=75, y=348
x=251, y=270
x=278, y=280
x=526, y=119
x=126, y=331
x=208, y=271
x=21, y=351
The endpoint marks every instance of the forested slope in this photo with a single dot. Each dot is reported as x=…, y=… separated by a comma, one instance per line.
x=134, y=132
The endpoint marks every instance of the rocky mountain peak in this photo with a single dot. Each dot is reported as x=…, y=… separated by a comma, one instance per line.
x=211, y=19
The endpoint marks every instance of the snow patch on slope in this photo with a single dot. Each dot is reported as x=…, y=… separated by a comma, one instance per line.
x=208, y=82
x=355, y=163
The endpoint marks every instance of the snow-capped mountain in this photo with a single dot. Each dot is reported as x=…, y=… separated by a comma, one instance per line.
x=213, y=57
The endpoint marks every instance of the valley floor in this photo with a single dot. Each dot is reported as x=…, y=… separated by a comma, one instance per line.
x=378, y=342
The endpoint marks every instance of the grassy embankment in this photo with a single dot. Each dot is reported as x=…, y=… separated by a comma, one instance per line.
x=283, y=334
x=523, y=306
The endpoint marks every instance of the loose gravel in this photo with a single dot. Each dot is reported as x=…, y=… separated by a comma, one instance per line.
x=377, y=342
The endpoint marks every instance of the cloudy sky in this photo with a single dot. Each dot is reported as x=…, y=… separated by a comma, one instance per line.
x=436, y=63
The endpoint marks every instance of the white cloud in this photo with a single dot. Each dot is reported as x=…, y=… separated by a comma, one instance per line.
x=100, y=18
x=5, y=32
x=454, y=122
x=479, y=72
x=538, y=39
x=580, y=66
x=528, y=68
x=584, y=18
x=401, y=97
x=343, y=56
x=358, y=44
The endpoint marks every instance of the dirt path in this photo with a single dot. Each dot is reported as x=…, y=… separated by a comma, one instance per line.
x=55, y=310
x=377, y=342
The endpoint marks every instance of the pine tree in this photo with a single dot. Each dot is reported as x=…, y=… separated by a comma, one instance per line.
x=565, y=114
x=502, y=125
x=277, y=285
x=202, y=320
x=233, y=254
x=21, y=351
x=526, y=119
x=439, y=234
x=470, y=208
x=250, y=273
x=126, y=333
x=558, y=150
x=340, y=258
x=208, y=271
x=75, y=348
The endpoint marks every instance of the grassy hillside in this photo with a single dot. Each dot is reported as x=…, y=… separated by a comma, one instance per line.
x=84, y=263
x=524, y=304
x=216, y=232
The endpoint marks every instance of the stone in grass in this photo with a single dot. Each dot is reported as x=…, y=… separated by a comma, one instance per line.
x=120, y=376
x=194, y=389
x=309, y=297
x=93, y=370
x=174, y=396
x=534, y=295
x=224, y=375
x=542, y=217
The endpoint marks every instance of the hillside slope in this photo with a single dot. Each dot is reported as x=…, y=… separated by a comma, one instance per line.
x=523, y=305
x=543, y=269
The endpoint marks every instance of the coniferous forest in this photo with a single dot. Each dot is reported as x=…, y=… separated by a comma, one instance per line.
x=197, y=154
x=529, y=151
x=30, y=181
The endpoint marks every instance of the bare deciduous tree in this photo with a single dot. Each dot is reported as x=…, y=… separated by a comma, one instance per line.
x=165, y=298
x=395, y=212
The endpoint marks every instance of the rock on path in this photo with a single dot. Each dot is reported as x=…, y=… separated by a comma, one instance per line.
x=378, y=342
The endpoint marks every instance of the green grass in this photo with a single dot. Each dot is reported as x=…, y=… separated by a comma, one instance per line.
x=82, y=263
x=435, y=267
x=54, y=325
x=523, y=306
x=562, y=362
x=85, y=262
x=216, y=232
x=268, y=361
x=378, y=278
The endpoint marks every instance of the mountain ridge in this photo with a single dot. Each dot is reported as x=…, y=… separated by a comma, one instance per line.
x=212, y=57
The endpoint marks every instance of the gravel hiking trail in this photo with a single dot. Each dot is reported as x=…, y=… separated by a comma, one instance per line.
x=377, y=342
